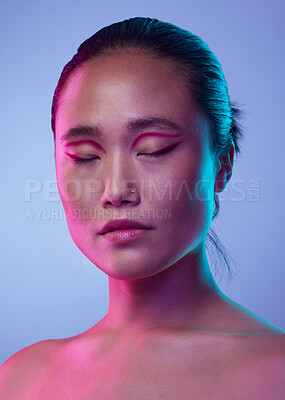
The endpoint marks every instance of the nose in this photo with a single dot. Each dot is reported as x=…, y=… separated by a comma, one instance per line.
x=120, y=187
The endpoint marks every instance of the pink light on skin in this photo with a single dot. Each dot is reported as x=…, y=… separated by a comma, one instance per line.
x=86, y=141
x=135, y=143
x=139, y=277
x=143, y=135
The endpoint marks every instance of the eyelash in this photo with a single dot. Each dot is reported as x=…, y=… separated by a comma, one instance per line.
x=160, y=153
x=148, y=155
x=83, y=160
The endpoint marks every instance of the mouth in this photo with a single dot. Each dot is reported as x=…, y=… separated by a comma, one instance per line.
x=122, y=229
x=122, y=225
x=118, y=229
x=126, y=230
x=121, y=236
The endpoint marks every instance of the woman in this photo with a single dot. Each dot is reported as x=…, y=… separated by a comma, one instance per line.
x=145, y=139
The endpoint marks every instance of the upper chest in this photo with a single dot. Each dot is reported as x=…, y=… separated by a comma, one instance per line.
x=216, y=368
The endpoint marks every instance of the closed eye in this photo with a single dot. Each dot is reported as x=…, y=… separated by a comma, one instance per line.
x=160, y=153
x=84, y=160
x=77, y=160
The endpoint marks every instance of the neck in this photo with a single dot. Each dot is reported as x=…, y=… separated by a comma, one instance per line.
x=182, y=295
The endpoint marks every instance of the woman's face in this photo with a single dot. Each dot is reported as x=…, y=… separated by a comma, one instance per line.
x=119, y=96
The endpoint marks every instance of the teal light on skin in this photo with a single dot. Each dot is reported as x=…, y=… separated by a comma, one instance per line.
x=139, y=90
x=160, y=284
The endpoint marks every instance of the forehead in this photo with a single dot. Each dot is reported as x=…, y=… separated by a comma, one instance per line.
x=114, y=88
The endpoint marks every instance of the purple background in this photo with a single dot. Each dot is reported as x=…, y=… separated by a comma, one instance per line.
x=48, y=289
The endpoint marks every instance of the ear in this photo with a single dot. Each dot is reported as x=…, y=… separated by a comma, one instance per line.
x=224, y=169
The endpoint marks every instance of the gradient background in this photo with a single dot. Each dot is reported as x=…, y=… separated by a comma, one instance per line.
x=48, y=289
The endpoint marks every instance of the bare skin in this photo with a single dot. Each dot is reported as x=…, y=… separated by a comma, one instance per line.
x=100, y=364
x=169, y=333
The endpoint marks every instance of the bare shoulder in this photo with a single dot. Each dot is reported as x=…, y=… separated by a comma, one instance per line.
x=272, y=367
x=270, y=350
x=25, y=368
x=263, y=369
x=274, y=360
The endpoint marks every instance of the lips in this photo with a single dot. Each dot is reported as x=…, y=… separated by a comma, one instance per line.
x=116, y=224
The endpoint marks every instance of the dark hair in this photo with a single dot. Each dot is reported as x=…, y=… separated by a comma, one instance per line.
x=193, y=60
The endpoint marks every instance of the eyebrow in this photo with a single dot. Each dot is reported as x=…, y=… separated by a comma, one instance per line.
x=133, y=125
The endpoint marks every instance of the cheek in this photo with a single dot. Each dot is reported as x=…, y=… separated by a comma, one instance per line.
x=192, y=203
x=74, y=194
x=77, y=191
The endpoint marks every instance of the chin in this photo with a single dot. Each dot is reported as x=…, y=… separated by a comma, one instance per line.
x=125, y=271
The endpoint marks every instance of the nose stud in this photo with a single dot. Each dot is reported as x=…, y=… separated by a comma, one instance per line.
x=132, y=191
